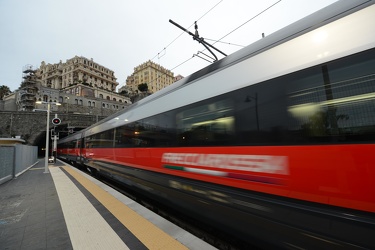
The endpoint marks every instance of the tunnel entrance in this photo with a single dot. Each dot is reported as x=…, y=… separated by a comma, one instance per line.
x=40, y=141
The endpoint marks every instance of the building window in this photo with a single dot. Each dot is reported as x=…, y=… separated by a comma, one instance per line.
x=93, y=104
x=89, y=104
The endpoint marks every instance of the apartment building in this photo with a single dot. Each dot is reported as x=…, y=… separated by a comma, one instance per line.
x=79, y=81
x=155, y=76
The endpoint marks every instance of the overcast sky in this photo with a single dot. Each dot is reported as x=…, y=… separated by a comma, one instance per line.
x=122, y=34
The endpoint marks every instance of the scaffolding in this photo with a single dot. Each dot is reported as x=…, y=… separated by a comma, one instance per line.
x=29, y=89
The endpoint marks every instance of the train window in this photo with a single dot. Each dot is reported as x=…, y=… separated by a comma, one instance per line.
x=124, y=135
x=329, y=103
x=133, y=135
x=137, y=134
x=338, y=103
x=167, y=129
x=206, y=124
x=146, y=132
x=101, y=140
x=150, y=132
x=261, y=118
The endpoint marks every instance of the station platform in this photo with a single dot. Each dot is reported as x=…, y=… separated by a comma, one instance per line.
x=68, y=209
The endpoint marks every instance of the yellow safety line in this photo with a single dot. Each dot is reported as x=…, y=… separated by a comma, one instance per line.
x=150, y=235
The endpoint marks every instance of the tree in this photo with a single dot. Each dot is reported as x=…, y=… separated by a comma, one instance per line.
x=124, y=93
x=143, y=87
x=4, y=90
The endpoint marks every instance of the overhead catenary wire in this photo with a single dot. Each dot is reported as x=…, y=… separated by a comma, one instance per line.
x=157, y=55
x=215, y=41
x=238, y=45
x=219, y=40
x=260, y=13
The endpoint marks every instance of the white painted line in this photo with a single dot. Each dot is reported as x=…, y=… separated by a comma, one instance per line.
x=189, y=240
x=87, y=228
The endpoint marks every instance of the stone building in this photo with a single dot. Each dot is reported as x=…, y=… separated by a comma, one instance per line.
x=78, y=70
x=178, y=77
x=156, y=77
x=9, y=102
x=79, y=84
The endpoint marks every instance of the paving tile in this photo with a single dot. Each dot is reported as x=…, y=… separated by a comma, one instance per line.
x=11, y=238
x=55, y=225
x=35, y=227
x=28, y=205
x=59, y=244
x=34, y=238
x=36, y=218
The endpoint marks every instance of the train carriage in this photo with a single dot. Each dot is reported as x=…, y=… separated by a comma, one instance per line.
x=273, y=144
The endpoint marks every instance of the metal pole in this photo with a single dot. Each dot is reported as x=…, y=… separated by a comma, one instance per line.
x=55, y=148
x=46, y=171
x=54, y=143
x=11, y=123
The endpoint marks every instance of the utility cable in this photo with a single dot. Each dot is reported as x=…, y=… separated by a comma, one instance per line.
x=269, y=7
x=238, y=45
x=249, y=20
x=216, y=41
x=157, y=55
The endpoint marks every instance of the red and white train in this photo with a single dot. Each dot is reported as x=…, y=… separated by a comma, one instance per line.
x=274, y=144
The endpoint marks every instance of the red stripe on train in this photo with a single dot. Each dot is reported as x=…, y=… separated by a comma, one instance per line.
x=339, y=175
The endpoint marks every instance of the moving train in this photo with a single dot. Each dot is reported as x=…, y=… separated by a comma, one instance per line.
x=273, y=144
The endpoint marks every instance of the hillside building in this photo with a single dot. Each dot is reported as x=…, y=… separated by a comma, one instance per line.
x=155, y=76
x=80, y=84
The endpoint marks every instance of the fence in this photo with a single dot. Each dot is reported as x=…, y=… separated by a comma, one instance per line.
x=16, y=159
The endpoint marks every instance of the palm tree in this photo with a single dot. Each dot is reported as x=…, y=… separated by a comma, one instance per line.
x=4, y=90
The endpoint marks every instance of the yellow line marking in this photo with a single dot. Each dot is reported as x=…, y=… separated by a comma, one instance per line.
x=86, y=227
x=150, y=235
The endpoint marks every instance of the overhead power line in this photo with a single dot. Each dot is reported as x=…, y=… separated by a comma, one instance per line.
x=164, y=49
x=269, y=7
x=215, y=41
x=199, y=39
x=224, y=42
x=260, y=13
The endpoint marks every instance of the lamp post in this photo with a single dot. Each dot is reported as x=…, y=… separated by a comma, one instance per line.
x=67, y=104
x=46, y=171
